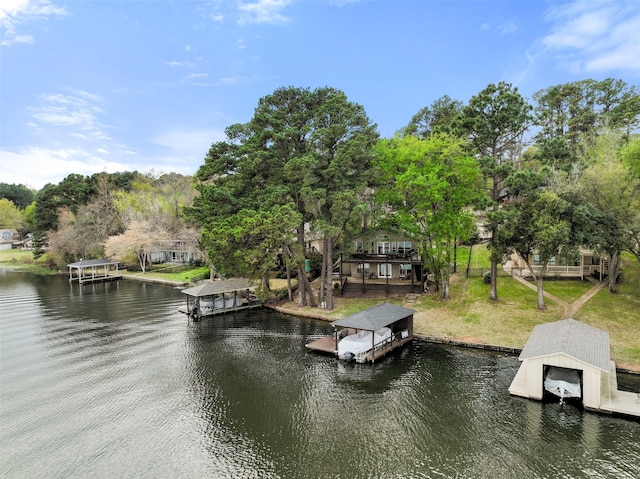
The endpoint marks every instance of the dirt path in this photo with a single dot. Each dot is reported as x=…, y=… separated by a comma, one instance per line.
x=569, y=309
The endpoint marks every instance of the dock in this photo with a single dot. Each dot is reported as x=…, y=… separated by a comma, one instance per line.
x=395, y=321
x=219, y=297
x=93, y=271
x=614, y=401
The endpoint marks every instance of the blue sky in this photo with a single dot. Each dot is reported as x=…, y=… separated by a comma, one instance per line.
x=90, y=86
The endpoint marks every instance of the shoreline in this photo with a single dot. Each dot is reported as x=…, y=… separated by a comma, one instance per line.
x=428, y=338
x=323, y=317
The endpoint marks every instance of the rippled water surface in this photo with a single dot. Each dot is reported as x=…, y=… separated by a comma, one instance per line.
x=110, y=380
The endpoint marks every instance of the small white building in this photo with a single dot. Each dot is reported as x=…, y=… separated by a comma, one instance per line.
x=573, y=345
x=567, y=344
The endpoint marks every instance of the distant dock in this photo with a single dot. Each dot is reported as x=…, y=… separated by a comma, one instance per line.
x=93, y=271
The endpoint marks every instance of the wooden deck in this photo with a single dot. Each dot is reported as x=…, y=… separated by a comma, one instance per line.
x=327, y=345
x=622, y=402
x=219, y=311
x=100, y=279
x=614, y=401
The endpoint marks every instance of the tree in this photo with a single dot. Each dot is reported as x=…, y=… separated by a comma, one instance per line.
x=141, y=238
x=19, y=195
x=495, y=121
x=429, y=185
x=611, y=187
x=308, y=149
x=10, y=216
x=567, y=112
x=71, y=192
x=440, y=117
x=545, y=224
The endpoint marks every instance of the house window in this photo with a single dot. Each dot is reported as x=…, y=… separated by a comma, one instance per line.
x=537, y=261
x=383, y=247
x=404, y=247
x=359, y=247
x=384, y=270
x=366, y=268
x=405, y=270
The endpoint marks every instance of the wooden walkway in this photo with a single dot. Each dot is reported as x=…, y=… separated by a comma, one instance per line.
x=614, y=401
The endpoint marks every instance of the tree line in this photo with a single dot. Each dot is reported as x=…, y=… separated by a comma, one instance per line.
x=547, y=176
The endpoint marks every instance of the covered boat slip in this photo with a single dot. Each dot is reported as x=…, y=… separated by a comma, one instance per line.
x=218, y=297
x=569, y=345
x=93, y=271
x=368, y=335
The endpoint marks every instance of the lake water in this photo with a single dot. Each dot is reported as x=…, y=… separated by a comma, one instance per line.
x=110, y=380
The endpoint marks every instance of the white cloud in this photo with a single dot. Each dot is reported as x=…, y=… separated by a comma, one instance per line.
x=263, y=11
x=196, y=75
x=16, y=12
x=78, y=109
x=507, y=27
x=37, y=166
x=595, y=36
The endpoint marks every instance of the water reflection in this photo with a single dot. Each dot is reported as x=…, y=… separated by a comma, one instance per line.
x=110, y=380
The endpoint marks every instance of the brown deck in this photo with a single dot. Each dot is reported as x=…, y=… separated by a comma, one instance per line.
x=327, y=344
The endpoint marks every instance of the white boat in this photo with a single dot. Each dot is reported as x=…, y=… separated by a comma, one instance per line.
x=562, y=382
x=357, y=346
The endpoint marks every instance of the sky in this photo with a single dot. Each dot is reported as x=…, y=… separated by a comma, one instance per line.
x=148, y=85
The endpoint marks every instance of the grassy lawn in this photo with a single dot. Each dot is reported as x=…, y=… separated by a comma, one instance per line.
x=470, y=316
x=619, y=314
x=22, y=260
x=184, y=276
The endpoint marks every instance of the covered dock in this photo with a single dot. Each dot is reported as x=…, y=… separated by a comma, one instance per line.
x=93, y=271
x=572, y=345
x=218, y=297
x=373, y=333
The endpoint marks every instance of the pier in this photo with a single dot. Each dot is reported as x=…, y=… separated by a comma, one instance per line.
x=93, y=271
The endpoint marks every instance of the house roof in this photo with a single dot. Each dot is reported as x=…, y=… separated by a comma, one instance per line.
x=375, y=318
x=87, y=263
x=210, y=288
x=573, y=338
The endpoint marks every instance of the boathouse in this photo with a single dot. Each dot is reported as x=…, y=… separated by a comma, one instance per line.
x=93, y=271
x=368, y=335
x=219, y=296
x=573, y=345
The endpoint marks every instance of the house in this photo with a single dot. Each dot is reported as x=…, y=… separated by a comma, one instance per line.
x=572, y=345
x=179, y=250
x=8, y=236
x=382, y=263
x=587, y=264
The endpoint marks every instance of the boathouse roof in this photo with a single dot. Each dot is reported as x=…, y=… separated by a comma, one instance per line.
x=573, y=338
x=88, y=263
x=375, y=318
x=218, y=287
